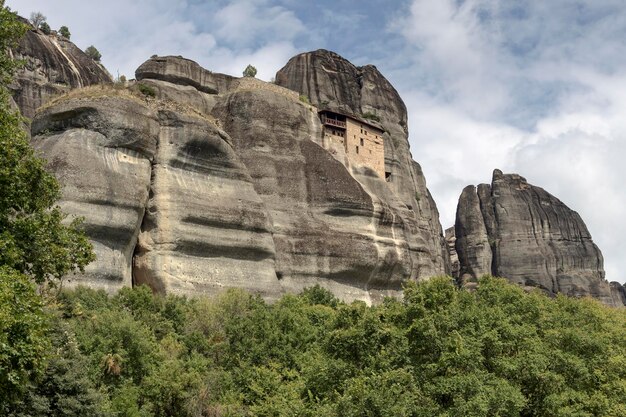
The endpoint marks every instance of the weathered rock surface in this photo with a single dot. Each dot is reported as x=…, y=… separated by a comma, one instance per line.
x=519, y=231
x=205, y=227
x=222, y=182
x=618, y=294
x=328, y=226
x=52, y=65
x=455, y=266
x=334, y=83
x=101, y=150
x=184, y=72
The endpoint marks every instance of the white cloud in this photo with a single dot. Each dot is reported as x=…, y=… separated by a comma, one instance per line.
x=267, y=59
x=245, y=22
x=548, y=67
x=224, y=39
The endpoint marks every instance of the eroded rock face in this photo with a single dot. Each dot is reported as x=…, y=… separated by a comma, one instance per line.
x=52, y=65
x=101, y=151
x=328, y=226
x=455, y=266
x=521, y=232
x=229, y=187
x=184, y=72
x=332, y=82
x=618, y=293
x=205, y=228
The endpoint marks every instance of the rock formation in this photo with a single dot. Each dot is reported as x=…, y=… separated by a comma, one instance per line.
x=618, y=294
x=219, y=181
x=331, y=82
x=455, y=266
x=52, y=65
x=519, y=231
x=223, y=182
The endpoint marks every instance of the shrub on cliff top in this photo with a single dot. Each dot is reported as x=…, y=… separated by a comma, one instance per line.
x=37, y=19
x=250, y=71
x=146, y=90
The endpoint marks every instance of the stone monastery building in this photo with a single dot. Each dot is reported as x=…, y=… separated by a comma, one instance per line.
x=361, y=141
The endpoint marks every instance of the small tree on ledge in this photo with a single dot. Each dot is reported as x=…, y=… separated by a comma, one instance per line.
x=65, y=32
x=250, y=71
x=45, y=28
x=93, y=53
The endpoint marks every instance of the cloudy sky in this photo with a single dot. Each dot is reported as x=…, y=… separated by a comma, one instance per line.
x=535, y=87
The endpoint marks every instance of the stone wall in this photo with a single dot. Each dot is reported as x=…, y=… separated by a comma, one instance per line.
x=365, y=146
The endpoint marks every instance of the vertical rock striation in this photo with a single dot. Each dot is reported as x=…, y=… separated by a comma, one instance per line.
x=222, y=182
x=331, y=82
x=101, y=150
x=519, y=231
x=52, y=65
x=205, y=227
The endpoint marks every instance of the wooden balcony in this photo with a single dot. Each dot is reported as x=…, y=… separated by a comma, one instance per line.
x=333, y=122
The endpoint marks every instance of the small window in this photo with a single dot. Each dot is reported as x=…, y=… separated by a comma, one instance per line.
x=361, y=141
x=387, y=176
x=370, y=151
x=357, y=149
x=361, y=131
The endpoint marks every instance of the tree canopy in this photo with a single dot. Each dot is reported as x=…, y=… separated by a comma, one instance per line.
x=65, y=32
x=93, y=53
x=250, y=71
x=36, y=246
x=442, y=351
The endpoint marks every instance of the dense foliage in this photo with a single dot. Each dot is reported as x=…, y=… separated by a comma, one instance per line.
x=36, y=246
x=23, y=341
x=441, y=351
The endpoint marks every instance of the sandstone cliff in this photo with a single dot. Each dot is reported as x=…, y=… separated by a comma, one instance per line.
x=332, y=82
x=223, y=182
x=52, y=65
x=519, y=231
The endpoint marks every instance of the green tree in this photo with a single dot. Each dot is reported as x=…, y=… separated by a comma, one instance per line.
x=33, y=237
x=65, y=32
x=65, y=388
x=23, y=342
x=11, y=30
x=45, y=28
x=250, y=71
x=35, y=245
x=93, y=53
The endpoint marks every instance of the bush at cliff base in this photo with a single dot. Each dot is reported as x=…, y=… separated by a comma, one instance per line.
x=442, y=351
